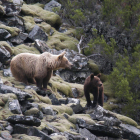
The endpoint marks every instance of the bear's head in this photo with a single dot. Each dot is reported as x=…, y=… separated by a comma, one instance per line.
x=95, y=80
x=64, y=61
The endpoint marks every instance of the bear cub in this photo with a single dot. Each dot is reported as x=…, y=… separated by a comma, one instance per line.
x=37, y=68
x=94, y=85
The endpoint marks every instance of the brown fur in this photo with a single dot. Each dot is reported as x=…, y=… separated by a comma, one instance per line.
x=94, y=85
x=27, y=67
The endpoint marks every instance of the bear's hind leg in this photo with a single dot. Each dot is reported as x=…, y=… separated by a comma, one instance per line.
x=46, y=79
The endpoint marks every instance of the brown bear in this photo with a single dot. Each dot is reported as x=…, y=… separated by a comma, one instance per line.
x=94, y=85
x=34, y=68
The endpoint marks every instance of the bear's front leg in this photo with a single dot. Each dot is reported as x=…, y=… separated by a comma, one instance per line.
x=88, y=98
x=96, y=96
x=46, y=79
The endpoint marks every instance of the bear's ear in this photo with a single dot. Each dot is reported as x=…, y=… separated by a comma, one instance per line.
x=99, y=75
x=60, y=56
x=91, y=76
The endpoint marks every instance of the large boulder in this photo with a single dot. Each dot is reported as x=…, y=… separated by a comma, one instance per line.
x=11, y=8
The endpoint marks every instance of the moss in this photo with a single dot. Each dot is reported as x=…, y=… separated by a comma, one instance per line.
x=93, y=67
x=61, y=41
x=4, y=98
x=7, y=46
x=45, y=27
x=2, y=11
x=5, y=112
x=62, y=124
x=59, y=109
x=31, y=111
x=12, y=30
x=70, y=32
x=85, y=117
x=24, y=137
x=29, y=23
x=126, y=120
x=25, y=49
x=36, y=11
x=65, y=87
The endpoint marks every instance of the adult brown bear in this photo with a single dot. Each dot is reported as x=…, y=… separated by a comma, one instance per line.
x=34, y=68
x=94, y=85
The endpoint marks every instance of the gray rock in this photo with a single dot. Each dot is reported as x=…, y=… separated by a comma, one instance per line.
x=20, y=94
x=27, y=120
x=31, y=131
x=54, y=100
x=6, y=135
x=130, y=132
x=48, y=111
x=101, y=114
x=103, y=130
x=37, y=33
x=87, y=134
x=9, y=128
x=4, y=55
x=77, y=108
x=12, y=8
x=4, y=34
x=15, y=107
x=7, y=72
x=19, y=39
x=51, y=5
x=75, y=92
x=73, y=100
x=15, y=21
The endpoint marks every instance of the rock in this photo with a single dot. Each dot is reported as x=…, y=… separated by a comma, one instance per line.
x=34, y=112
x=7, y=72
x=63, y=101
x=101, y=114
x=52, y=5
x=9, y=128
x=77, y=108
x=110, y=131
x=27, y=120
x=12, y=8
x=6, y=135
x=41, y=46
x=73, y=100
x=15, y=107
x=20, y=94
x=75, y=92
x=130, y=132
x=42, y=92
x=104, y=65
x=4, y=34
x=15, y=21
x=19, y=39
x=54, y=100
x=86, y=133
x=4, y=54
x=37, y=33
x=31, y=131
x=48, y=111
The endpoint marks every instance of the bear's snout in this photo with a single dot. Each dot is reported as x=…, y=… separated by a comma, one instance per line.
x=70, y=65
x=100, y=85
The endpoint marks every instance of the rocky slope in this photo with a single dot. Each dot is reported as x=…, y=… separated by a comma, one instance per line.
x=59, y=113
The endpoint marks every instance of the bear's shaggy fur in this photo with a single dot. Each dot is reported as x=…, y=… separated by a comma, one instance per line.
x=94, y=85
x=34, y=68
